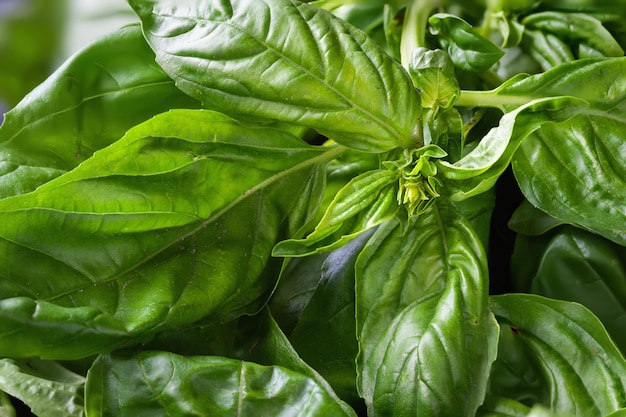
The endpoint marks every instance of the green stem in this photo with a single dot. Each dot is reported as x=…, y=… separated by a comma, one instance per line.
x=471, y=98
x=414, y=28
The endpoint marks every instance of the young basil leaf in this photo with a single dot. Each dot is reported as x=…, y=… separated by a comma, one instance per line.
x=288, y=61
x=467, y=48
x=365, y=202
x=162, y=383
x=426, y=338
x=574, y=265
x=149, y=233
x=478, y=171
x=574, y=170
x=581, y=367
x=87, y=104
x=576, y=28
x=46, y=387
x=433, y=73
x=547, y=49
x=509, y=28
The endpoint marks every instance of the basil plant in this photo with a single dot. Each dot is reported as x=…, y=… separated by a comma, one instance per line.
x=291, y=208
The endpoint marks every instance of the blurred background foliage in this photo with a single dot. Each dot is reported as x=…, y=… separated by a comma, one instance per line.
x=36, y=36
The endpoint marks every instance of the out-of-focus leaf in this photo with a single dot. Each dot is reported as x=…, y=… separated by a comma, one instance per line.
x=6, y=407
x=164, y=384
x=574, y=265
x=547, y=49
x=581, y=368
x=46, y=387
x=288, y=61
x=150, y=233
x=29, y=45
x=576, y=28
x=468, y=49
x=426, y=338
x=87, y=104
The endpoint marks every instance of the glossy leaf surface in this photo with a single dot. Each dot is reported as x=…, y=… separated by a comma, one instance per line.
x=580, y=365
x=480, y=168
x=284, y=60
x=325, y=335
x=575, y=171
x=426, y=338
x=363, y=203
x=165, y=384
x=468, y=49
x=150, y=232
x=575, y=265
x=46, y=387
x=87, y=104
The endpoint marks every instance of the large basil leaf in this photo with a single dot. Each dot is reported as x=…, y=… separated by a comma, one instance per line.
x=164, y=384
x=575, y=265
x=46, y=387
x=284, y=60
x=426, y=338
x=255, y=338
x=87, y=104
x=580, y=366
x=575, y=171
x=150, y=233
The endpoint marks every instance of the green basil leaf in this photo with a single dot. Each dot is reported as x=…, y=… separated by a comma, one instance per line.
x=426, y=338
x=164, y=384
x=547, y=49
x=587, y=6
x=581, y=367
x=296, y=285
x=618, y=413
x=254, y=338
x=134, y=239
x=574, y=171
x=288, y=61
x=509, y=28
x=365, y=202
x=325, y=336
x=502, y=407
x=46, y=387
x=432, y=72
x=574, y=265
x=478, y=170
x=468, y=49
x=530, y=221
x=6, y=407
x=576, y=28
x=87, y=104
